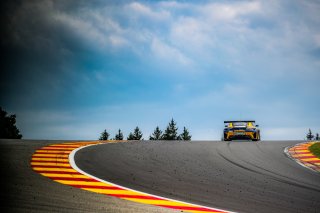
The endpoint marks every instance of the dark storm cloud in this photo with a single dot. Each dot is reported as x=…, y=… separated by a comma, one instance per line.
x=33, y=51
x=39, y=51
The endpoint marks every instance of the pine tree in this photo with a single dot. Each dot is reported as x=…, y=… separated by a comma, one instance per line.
x=156, y=135
x=185, y=135
x=119, y=135
x=317, y=137
x=310, y=136
x=8, y=128
x=136, y=135
x=104, y=135
x=171, y=132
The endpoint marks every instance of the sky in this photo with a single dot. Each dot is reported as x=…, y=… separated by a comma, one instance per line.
x=71, y=69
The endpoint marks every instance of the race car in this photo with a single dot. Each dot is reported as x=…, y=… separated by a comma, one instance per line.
x=241, y=130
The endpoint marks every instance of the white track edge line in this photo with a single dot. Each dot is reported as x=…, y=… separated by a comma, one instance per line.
x=75, y=167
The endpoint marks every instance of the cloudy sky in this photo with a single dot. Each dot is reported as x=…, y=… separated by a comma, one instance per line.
x=71, y=69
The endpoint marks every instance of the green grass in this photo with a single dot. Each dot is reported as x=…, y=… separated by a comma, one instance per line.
x=315, y=149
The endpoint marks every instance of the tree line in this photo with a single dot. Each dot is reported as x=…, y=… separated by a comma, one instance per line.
x=170, y=133
x=8, y=128
x=310, y=136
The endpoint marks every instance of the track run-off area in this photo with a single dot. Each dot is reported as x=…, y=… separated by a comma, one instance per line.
x=206, y=176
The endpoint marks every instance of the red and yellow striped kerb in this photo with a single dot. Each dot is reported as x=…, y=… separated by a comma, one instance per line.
x=301, y=154
x=53, y=162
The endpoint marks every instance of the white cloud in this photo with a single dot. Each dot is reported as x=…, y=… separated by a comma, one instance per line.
x=174, y=5
x=143, y=10
x=97, y=30
x=218, y=12
x=116, y=40
x=233, y=35
x=191, y=36
x=168, y=53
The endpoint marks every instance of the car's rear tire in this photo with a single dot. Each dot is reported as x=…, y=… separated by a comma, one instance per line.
x=256, y=136
x=225, y=137
x=256, y=139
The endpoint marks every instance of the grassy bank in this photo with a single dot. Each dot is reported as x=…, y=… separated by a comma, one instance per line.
x=315, y=149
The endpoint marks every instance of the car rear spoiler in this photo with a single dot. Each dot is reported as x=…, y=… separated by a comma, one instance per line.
x=239, y=121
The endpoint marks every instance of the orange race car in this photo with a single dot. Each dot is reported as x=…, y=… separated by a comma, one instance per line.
x=241, y=130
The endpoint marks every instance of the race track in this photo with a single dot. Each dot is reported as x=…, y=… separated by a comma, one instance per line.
x=237, y=176
x=24, y=190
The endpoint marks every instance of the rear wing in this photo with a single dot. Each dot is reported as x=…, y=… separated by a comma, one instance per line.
x=247, y=121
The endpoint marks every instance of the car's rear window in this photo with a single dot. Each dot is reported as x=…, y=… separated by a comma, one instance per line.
x=239, y=124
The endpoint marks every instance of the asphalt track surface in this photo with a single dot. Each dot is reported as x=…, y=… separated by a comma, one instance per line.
x=237, y=176
x=24, y=190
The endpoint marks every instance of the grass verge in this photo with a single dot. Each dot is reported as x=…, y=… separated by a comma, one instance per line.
x=315, y=149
